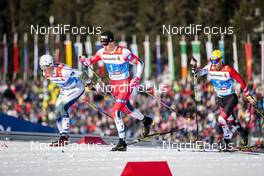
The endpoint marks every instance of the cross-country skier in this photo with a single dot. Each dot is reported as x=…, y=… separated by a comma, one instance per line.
x=222, y=77
x=71, y=89
x=117, y=60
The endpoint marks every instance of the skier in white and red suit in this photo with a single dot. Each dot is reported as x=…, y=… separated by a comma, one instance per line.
x=117, y=60
x=222, y=77
x=68, y=79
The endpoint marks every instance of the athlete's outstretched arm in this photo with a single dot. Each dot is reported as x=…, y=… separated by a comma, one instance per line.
x=203, y=71
x=134, y=60
x=196, y=70
x=92, y=60
x=236, y=76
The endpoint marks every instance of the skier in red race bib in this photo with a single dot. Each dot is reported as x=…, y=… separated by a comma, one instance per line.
x=222, y=77
x=117, y=60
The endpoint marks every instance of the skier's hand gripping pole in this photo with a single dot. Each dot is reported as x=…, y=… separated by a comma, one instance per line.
x=193, y=63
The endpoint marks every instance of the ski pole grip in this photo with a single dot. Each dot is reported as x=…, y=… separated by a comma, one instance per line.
x=193, y=62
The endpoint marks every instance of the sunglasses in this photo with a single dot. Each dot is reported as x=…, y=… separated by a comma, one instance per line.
x=215, y=61
x=44, y=67
x=104, y=43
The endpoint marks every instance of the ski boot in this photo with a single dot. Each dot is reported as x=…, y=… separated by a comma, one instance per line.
x=147, y=121
x=226, y=141
x=244, y=136
x=121, y=146
x=63, y=140
x=224, y=145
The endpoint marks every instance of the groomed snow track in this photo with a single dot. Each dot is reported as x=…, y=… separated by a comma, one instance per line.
x=28, y=154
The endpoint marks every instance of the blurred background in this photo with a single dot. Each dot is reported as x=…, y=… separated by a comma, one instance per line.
x=136, y=24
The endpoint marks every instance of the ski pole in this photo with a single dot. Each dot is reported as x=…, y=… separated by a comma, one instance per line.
x=258, y=111
x=96, y=75
x=194, y=63
x=171, y=109
x=97, y=109
x=93, y=105
x=159, y=101
x=195, y=98
x=99, y=79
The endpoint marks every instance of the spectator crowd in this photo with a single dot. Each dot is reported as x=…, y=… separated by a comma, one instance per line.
x=35, y=101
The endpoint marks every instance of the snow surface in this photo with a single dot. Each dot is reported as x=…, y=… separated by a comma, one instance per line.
x=24, y=158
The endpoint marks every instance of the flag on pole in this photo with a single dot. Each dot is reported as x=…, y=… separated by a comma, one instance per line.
x=5, y=66
x=45, y=82
x=209, y=50
x=100, y=63
x=158, y=55
x=147, y=70
x=235, y=56
x=25, y=72
x=16, y=62
x=209, y=47
x=183, y=49
x=78, y=51
x=134, y=50
x=68, y=50
x=222, y=47
x=47, y=44
x=123, y=42
x=89, y=52
x=196, y=50
x=36, y=64
x=171, y=59
x=57, y=54
x=248, y=52
x=262, y=58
